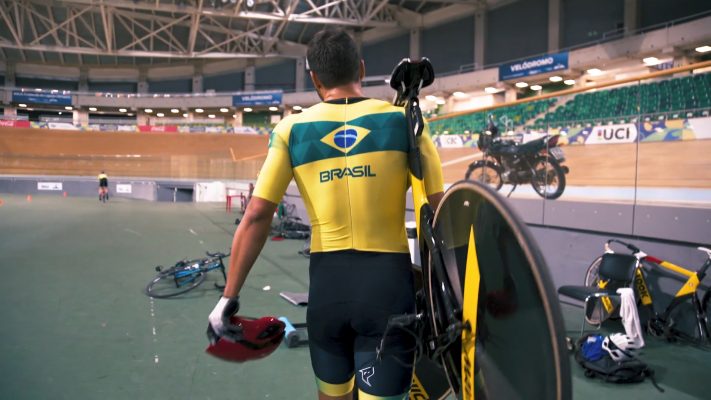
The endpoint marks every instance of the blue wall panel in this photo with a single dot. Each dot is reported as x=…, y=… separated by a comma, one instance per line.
x=113, y=87
x=449, y=45
x=40, y=83
x=229, y=82
x=171, y=86
x=516, y=31
x=381, y=57
x=276, y=76
x=654, y=12
x=584, y=21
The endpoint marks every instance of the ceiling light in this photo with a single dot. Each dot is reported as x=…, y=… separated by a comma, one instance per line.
x=174, y=110
x=199, y=110
x=22, y=105
x=224, y=110
x=441, y=101
x=651, y=61
x=521, y=84
x=68, y=108
x=703, y=49
x=595, y=71
x=38, y=90
x=122, y=110
x=460, y=95
x=211, y=116
x=60, y=113
x=247, y=109
x=185, y=115
x=297, y=108
x=491, y=90
x=272, y=108
x=555, y=78
x=569, y=82
x=161, y=115
x=536, y=87
x=148, y=110
x=92, y=108
x=130, y=114
x=431, y=98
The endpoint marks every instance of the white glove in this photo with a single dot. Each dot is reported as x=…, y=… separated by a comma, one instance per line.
x=219, y=325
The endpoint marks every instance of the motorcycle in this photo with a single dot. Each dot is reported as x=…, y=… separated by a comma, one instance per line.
x=538, y=162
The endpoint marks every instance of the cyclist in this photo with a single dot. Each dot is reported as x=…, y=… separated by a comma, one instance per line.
x=103, y=186
x=348, y=155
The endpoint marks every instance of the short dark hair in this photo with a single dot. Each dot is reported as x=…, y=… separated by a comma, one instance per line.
x=334, y=56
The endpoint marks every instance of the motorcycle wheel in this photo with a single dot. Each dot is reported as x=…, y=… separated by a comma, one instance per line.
x=549, y=179
x=488, y=174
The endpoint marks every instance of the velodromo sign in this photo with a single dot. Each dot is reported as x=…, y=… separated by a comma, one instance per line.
x=534, y=66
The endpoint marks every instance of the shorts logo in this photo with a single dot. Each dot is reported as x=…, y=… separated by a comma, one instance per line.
x=366, y=373
x=345, y=138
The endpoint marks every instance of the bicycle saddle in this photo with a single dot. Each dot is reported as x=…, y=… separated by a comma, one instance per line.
x=409, y=77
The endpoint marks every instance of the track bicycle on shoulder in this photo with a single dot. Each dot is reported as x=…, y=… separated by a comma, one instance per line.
x=483, y=283
x=666, y=323
x=185, y=275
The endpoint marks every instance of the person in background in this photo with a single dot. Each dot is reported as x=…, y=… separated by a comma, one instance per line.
x=103, y=187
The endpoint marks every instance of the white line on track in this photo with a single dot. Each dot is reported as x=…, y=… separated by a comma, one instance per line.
x=156, y=359
x=461, y=159
x=132, y=231
x=193, y=232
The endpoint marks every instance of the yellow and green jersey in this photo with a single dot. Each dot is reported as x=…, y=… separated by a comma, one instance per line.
x=349, y=160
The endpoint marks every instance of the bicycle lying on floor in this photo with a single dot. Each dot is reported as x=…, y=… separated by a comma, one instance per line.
x=663, y=324
x=185, y=276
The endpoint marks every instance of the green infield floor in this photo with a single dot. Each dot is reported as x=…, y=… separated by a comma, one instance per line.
x=75, y=323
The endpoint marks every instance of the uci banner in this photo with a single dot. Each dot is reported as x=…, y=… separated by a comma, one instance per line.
x=534, y=66
x=270, y=98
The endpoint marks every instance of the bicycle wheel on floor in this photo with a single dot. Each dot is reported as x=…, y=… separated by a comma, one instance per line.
x=173, y=282
x=596, y=311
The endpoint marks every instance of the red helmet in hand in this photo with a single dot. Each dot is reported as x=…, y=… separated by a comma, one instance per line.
x=260, y=337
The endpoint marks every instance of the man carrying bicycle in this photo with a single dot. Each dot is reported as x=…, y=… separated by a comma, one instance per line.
x=348, y=155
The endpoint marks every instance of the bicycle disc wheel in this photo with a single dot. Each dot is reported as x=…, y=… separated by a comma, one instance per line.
x=167, y=285
x=512, y=345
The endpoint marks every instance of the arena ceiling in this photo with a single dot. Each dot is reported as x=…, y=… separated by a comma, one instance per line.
x=120, y=32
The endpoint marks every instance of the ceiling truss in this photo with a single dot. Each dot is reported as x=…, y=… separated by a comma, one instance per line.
x=180, y=29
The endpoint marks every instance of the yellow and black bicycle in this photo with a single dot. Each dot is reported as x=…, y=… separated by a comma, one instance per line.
x=685, y=317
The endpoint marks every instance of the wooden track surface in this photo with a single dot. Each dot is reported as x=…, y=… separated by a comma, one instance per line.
x=166, y=155
x=26, y=151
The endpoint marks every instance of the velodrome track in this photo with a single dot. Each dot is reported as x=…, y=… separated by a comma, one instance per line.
x=672, y=166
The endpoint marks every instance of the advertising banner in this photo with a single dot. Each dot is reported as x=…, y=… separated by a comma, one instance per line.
x=15, y=123
x=612, y=134
x=534, y=66
x=157, y=128
x=49, y=185
x=66, y=126
x=123, y=188
x=270, y=98
x=41, y=98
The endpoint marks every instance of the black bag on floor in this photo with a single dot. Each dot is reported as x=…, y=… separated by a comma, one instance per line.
x=631, y=370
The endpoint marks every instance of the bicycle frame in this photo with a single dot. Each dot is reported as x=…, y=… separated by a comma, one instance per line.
x=203, y=266
x=688, y=289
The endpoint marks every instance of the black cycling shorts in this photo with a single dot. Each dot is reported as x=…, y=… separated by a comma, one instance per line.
x=352, y=294
x=103, y=182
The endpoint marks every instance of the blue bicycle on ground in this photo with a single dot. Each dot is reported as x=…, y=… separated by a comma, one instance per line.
x=185, y=276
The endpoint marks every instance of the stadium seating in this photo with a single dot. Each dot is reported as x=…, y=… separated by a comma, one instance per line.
x=683, y=97
x=670, y=98
x=506, y=117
